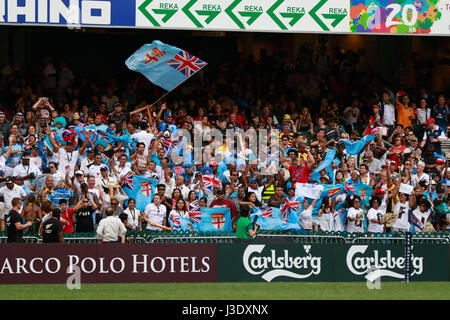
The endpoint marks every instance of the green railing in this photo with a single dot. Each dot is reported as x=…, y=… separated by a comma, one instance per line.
x=301, y=237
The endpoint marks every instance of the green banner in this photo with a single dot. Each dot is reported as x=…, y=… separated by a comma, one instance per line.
x=321, y=262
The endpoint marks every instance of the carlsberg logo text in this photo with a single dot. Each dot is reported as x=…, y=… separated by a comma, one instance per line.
x=276, y=264
x=359, y=262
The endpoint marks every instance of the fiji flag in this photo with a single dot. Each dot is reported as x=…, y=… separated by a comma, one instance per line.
x=356, y=147
x=364, y=192
x=179, y=223
x=273, y=220
x=143, y=191
x=164, y=65
x=325, y=167
x=215, y=220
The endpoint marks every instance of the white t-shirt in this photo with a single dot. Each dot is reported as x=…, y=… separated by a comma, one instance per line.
x=305, y=218
x=415, y=178
x=257, y=192
x=22, y=171
x=422, y=216
x=389, y=114
x=133, y=217
x=8, y=195
x=94, y=170
x=67, y=159
x=122, y=171
x=352, y=115
x=175, y=213
x=355, y=226
x=377, y=215
x=401, y=211
x=36, y=161
x=144, y=137
x=155, y=214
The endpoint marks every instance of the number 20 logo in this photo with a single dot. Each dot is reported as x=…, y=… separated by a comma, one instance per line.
x=396, y=8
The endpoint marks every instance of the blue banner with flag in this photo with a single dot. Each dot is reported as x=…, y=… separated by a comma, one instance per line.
x=215, y=220
x=270, y=219
x=142, y=189
x=356, y=147
x=164, y=65
x=178, y=223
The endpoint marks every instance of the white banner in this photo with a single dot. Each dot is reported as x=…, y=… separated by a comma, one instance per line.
x=312, y=191
x=406, y=188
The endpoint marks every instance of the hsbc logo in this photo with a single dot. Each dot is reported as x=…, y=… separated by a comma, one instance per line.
x=56, y=11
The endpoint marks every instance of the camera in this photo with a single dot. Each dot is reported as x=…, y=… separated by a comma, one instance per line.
x=166, y=133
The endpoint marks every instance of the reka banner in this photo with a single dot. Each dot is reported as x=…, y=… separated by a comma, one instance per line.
x=414, y=17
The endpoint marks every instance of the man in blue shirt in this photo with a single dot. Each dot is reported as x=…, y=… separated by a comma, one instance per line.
x=433, y=134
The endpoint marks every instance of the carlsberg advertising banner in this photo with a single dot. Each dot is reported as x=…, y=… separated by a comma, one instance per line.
x=238, y=262
x=415, y=17
x=322, y=262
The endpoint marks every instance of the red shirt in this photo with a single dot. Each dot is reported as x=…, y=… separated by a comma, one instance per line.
x=299, y=174
x=225, y=203
x=68, y=216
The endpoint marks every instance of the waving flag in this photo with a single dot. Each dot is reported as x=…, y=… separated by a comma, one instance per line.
x=333, y=190
x=364, y=192
x=215, y=220
x=267, y=213
x=440, y=157
x=168, y=145
x=194, y=211
x=325, y=167
x=210, y=180
x=143, y=190
x=289, y=210
x=356, y=147
x=164, y=65
x=350, y=187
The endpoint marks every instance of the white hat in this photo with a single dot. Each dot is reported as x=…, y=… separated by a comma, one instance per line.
x=79, y=172
x=421, y=163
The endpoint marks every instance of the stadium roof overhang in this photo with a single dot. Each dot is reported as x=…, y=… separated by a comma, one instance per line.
x=411, y=17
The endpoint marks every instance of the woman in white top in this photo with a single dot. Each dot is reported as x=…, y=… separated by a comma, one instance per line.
x=355, y=216
x=134, y=221
x=179, y=210
x=401, y=210
x=375, y=215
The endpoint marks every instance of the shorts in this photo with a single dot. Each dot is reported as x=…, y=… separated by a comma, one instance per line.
x=2, y=211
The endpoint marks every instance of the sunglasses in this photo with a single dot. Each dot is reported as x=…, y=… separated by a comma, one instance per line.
x=114, y=204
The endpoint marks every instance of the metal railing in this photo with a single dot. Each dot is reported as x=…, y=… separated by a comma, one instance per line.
x=401, y=240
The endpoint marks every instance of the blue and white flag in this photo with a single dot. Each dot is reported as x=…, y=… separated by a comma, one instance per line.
x=325, y=167
x=178, y=223
x=164, y=65
x=270, y=219
x=356, y=147
x=215, y=220
x=143, y=190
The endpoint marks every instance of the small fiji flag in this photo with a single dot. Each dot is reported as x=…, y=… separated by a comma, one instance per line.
x=176, y=222
x=350, y=187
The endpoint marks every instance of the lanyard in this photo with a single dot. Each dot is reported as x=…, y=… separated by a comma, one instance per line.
x=133, y=214
x=71, y=157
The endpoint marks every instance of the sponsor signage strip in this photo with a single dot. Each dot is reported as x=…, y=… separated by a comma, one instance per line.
x=323, y=16
x=252, y=262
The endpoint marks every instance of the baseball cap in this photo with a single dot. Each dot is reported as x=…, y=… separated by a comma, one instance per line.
x=220, y=191
x=9, y=179
x=430, y=120
x=167, y=114
x=252, y=179
x=287, y=117
x=2, y=114
x=325, y=177
x=421, y=163
x=104, y=169
x=79, y=172
x=356, y=171
x=18, y=178
x=25, y=157
x=89, y=150
x=214, y=163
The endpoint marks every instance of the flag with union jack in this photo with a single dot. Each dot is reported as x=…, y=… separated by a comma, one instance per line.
x=168, y=145
x=127, y=181
x=267, y=212
x=179, y=170
x=164, y=65
x=180, y=223
x=195, y=212
x=210, y=180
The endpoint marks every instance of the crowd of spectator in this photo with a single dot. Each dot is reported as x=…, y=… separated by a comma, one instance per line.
x=314, y=102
